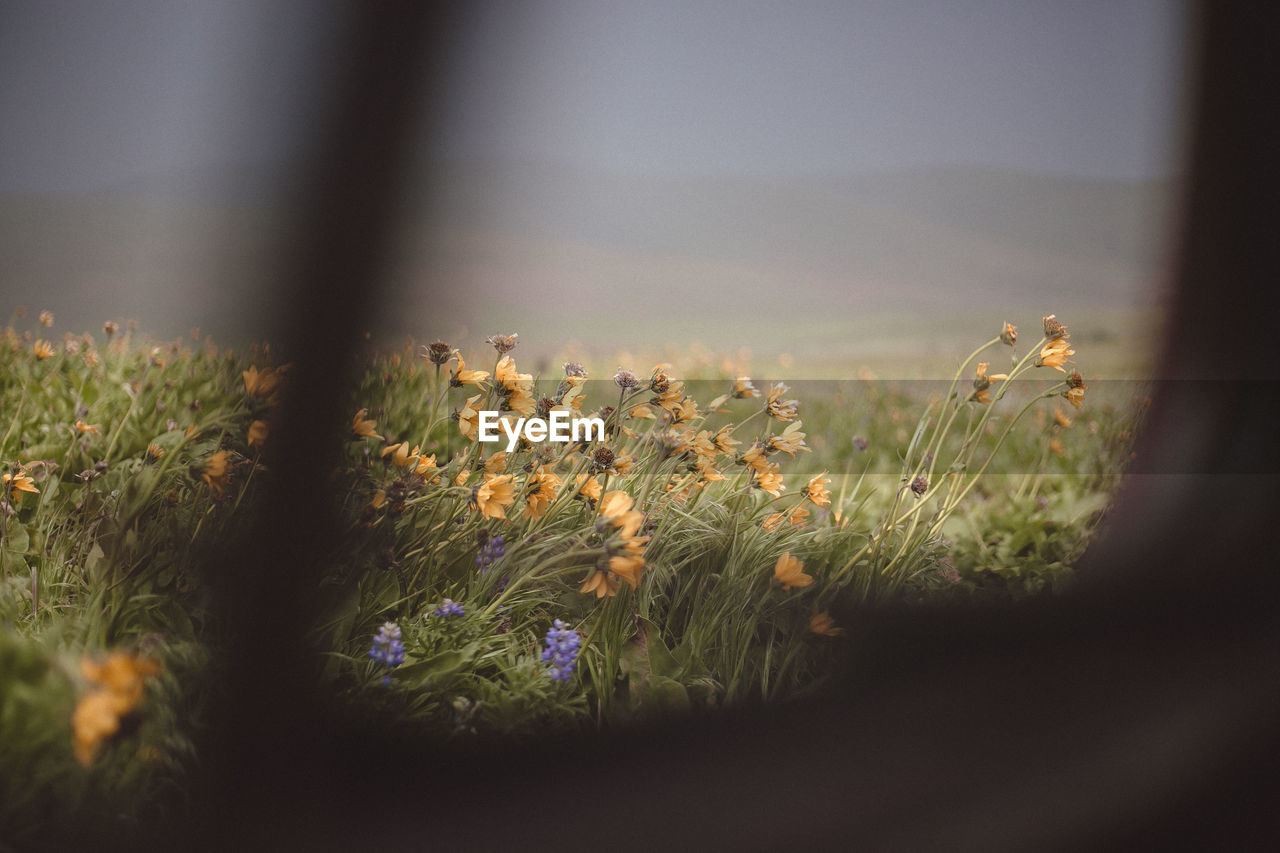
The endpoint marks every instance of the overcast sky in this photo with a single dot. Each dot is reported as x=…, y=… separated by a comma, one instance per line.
x=93, y=94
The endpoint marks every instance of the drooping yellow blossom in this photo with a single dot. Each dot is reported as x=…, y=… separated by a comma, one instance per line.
x=42, y=349
x=1075, y=389
x=81, y=426
x=707, y=470
x=495, y=494
x=773, y=521
x=770, y=480
x=263, y=384
x=743, y=389
x=601, y=581
x=469, y=418
x=362, y=428
x=982, y=383
x=778, y=408
x=589, y=486
x=118, y=685
x=755, y=458
x=1063, y=420
x=790, y=441
x=799, y=516
x=460, y=376
x=401, y=457
x=217, y=472
x=685, y=412
x=426, y=467
x=642, y=411
x=18, y=483
x=258, y=434
x=379, y=498
x=789, y=571
x=822, y=624
x=510, y=378
x=497, y=463
x=521, y=400
x=627, y=567
x=816, y=490
x=724, y=440
x=541, y=490
x=1055, y=353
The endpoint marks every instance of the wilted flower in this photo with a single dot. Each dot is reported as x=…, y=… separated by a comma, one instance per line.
x=437, y=353
x=574, y=370
x=362, y=428
x=561, y=652
x=982, y=383
x=1075, y=389
x=602, y=459
x=789, y=571
x=1009, y=335
x=920, y=485
x=625, y=379
x=1053, y=329
x=502, y=343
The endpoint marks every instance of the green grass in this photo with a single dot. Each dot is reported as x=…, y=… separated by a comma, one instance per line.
x=106, y=555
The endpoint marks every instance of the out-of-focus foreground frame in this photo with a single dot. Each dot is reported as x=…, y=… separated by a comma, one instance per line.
x=1140, y=708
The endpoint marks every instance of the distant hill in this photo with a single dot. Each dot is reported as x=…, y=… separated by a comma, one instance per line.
x=598, y=255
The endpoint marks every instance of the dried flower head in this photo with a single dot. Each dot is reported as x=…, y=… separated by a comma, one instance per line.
x=625, y=379
x=920, y=485
x=110, y=328
x=1009, y=335
x=602, y=459
x=437, y=353
x=1053, y=329
x=502, y=343
x=46, y=319
x=572, y=368
x=1075, y=389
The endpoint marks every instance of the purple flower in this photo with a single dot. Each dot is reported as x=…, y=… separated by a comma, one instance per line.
x=449, y=607
x=491, y=548
x=561, y=651
x=387, y=649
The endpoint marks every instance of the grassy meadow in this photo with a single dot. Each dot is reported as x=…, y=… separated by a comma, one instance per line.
x=708, y=553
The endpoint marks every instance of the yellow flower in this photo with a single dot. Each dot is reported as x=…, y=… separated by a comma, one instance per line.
x=822, y=624
x=541, y=490
x=816, y=490
x=1075, y=390
x=742, y=388
x=1055, y=353
x=43, y=349
x=497, y=463
x=790, y=441
x=217, y=472
x=770, y=480
x=362, y=428
x=789, y=571
x=263, y=384
x=462, y=477
x=755, y=458
x=154, y=452
x=1063, y=420
x=982, y=383
x=81, y=426
x=461, y=376
x=724, y=440
x=427, y=464
x=589, y=486
x=799, y=516
x=118, y=685
x=258, y=434
x=642, y=411
x=494, y=495
x=469, y=418
x=773, y=521
x=379, y=498
x=510, y=378
x=17, y=484
x=1055, y=446
x=400, y=455
x=601, y=581
x=521, y=400
x=628, y=568
x=778, y=408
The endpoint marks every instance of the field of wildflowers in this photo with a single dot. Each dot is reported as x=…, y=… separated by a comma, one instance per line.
x=711, y=551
